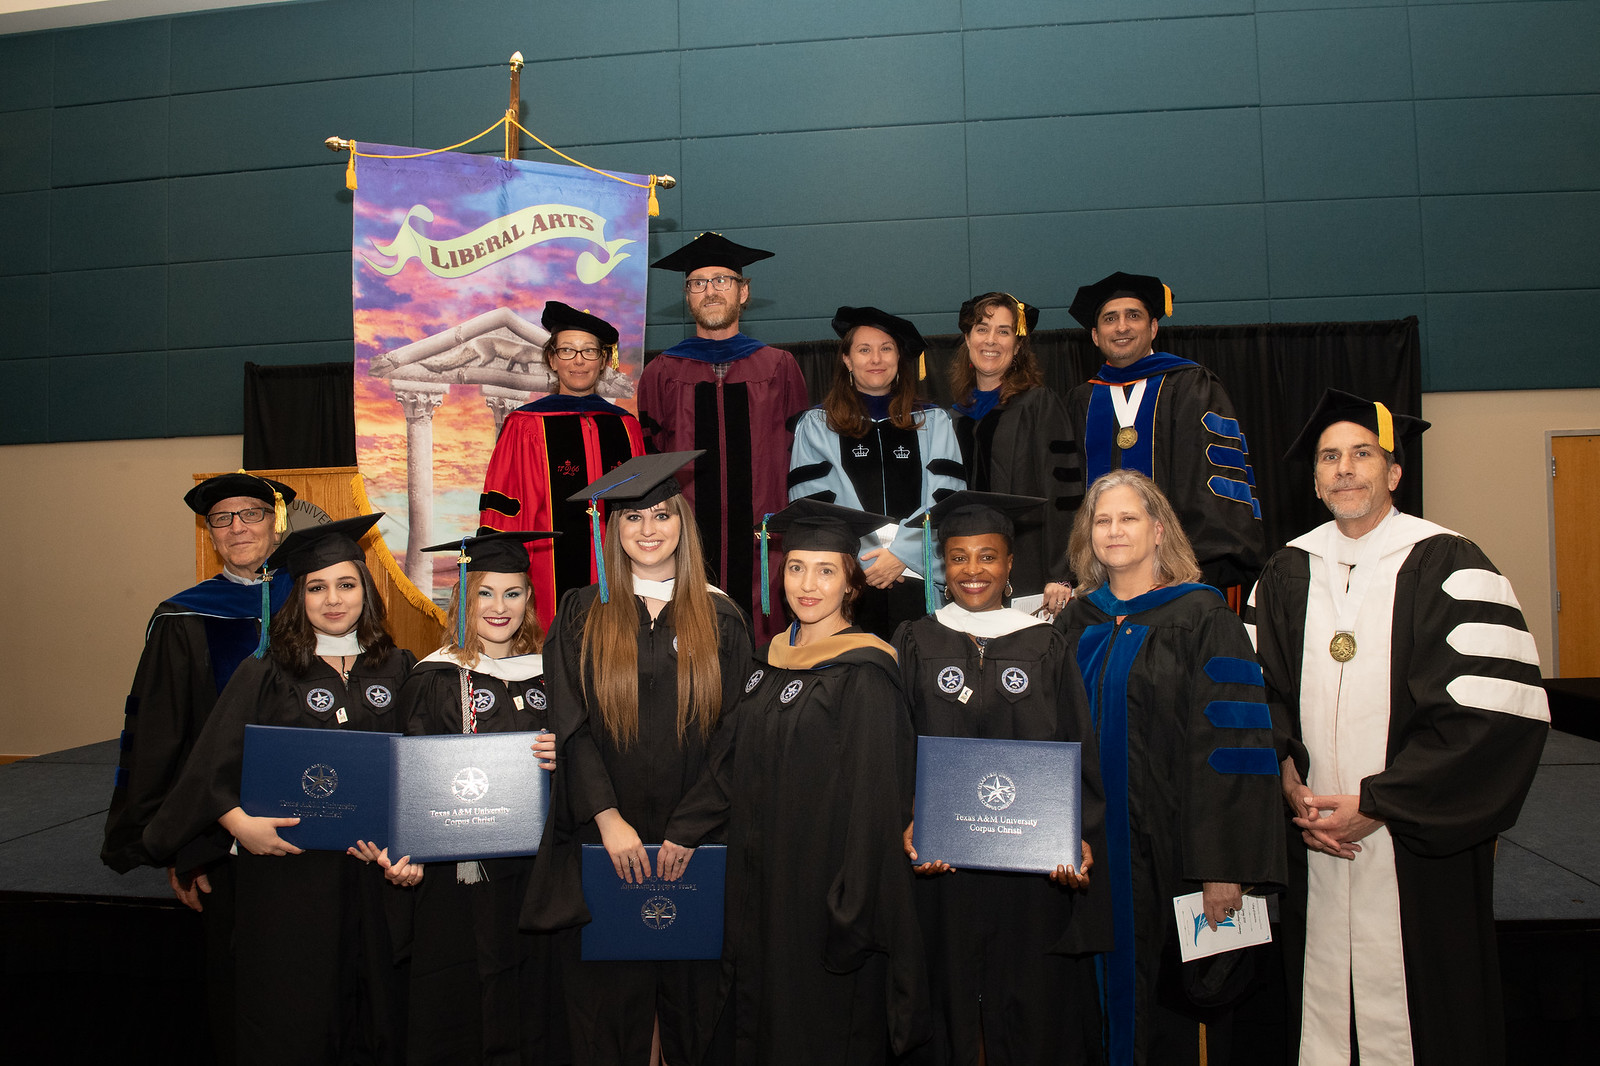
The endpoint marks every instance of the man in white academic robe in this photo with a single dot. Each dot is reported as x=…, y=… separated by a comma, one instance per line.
x=1406, y=689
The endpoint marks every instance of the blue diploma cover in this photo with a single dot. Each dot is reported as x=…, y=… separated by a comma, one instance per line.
x=999, y=804
x=336, y=781
x=466, y=796
x=658, y=919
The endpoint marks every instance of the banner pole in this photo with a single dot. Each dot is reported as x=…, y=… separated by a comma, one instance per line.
x=514, y=111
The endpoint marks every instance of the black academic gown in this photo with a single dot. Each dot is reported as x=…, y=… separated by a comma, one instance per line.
x=316, y=978
x=1026, y=448
x=1467, y=721
x=481, y=990
x=1189, y=443
x=1007, y=952
x=822, y=953
x=612, y=1006
x=1192, y=794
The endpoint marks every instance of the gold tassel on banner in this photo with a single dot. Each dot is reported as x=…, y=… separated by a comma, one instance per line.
x=350, y=169
x=655, y=205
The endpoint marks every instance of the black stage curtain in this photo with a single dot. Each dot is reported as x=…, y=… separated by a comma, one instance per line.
x=1275, y=373
x=298, y=417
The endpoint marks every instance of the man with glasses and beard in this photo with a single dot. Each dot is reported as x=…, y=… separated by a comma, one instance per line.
x=193, y=644
x=737, y=399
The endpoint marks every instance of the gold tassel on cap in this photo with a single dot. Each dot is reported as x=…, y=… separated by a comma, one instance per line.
x=1385, y=428
x=922, y=366
x=1168, y=290
x=1022, y=316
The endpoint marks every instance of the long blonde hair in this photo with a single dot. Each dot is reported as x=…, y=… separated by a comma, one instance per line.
x=1175, y=561
x=610, y=650
x=528, y=638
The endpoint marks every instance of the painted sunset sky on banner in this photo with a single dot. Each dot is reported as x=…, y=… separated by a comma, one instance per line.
x=453, y=258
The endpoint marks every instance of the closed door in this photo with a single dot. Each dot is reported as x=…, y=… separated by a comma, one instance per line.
x=1575, y=490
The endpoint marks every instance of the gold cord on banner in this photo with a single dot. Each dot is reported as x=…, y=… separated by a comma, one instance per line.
x=339, y=144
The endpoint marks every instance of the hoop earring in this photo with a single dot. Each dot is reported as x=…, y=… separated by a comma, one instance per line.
x=1008, y=588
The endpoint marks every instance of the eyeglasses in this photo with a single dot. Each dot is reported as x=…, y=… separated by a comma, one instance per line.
x=249, y=516
x=588, y=354
x=721, y=282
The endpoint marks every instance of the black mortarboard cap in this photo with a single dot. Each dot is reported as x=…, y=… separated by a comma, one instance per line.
x=968, y=513
x=558, y=316
x=1338, y=406
x=643, y=481
x=495, y=553
x=906, y=336
x=1025, y=322
x=711, y=249
x=213, y=490
x=305, y=551
x=1156, y=297
x=812, y=525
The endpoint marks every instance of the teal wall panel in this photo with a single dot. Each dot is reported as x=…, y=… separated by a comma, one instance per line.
x=25, y=309
x=473, y=33
x=25, y=164
x=286, y=124
x=284, y=43
x=26, y=61
x=1515, y=144
x=875, y=81
x=1110, y=68
x=720, y=23
x=1344, y=247
x=165, y=193
x=205, y=386
x=256, y=213
x=26, y=385
x=1526, y=49
x=119, y=310
x=1314, y=57
x=100, y=143
x=986, y=13
x=1330, y=151
x=1471, y=348
x=108, y=225
x=108, y=397
x=1513, y=241
x=25, y=221
x=117, y=61
x=262, y=301
x=797, y=179
x=1161, y=158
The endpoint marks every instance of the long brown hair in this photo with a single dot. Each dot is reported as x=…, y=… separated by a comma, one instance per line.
x=1175, y=561
x=847, y=415
x=528, y=638
x=294, y=639
x=1023, y=374
x=610, y=650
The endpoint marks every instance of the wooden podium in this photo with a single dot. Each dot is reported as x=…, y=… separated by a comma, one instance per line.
x=415, y=622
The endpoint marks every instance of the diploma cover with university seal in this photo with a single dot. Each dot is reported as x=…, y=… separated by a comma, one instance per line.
x=459, y=797
x=336, y=781
x=657, y=919
x=999, y=804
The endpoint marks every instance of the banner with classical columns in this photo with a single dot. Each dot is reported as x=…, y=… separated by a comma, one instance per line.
x=452, y=261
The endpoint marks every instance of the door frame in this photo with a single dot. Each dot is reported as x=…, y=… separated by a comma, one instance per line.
x=1550, y=510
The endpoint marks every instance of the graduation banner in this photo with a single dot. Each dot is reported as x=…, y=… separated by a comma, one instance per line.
x=452, y=260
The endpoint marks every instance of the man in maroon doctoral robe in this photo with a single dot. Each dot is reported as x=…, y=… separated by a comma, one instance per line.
x=737, y=399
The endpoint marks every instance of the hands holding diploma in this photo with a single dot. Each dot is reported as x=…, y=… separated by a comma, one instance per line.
x=1061, y=875
x=259, y=835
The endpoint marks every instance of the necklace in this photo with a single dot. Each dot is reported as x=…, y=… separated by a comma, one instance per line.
x=344, y=671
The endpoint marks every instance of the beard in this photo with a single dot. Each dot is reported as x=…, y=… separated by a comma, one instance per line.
x=716, y=316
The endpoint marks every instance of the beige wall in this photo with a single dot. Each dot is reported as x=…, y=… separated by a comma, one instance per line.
x=94, y=536
x=1488, y=479
x=71, y=645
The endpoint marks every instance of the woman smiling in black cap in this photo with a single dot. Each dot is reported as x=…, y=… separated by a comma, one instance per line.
x=640, y=666
x=310, y=925
x=871, y=445
x=1008, y=953
x=821, y=935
